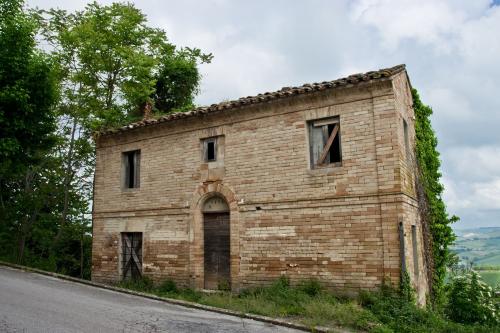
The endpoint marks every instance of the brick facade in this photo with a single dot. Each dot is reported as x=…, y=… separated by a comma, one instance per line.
x=339, y=224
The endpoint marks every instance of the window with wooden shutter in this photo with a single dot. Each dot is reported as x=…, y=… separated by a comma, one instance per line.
x=324, y=140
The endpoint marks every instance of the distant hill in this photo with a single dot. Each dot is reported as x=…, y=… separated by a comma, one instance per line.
x=481, y=246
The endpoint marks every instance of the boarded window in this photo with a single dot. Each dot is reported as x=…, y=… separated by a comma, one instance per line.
x=131, y=255
x=210, y=149
x=131, y=168
x=324, y=139
x=415, y=249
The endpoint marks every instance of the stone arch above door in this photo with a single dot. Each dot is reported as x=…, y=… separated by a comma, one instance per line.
x=215, y=204
x=203, y=194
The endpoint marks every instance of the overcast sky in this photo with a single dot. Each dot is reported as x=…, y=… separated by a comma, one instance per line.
x=451, y=49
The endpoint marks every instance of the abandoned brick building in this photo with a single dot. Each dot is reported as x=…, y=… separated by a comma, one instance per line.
x=311, y=181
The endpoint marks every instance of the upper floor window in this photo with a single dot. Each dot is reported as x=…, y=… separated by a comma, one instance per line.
x=131, y=168
x=324, y=141
x=210, y=149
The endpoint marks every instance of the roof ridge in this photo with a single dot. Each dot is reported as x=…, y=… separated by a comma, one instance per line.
x=267, y=96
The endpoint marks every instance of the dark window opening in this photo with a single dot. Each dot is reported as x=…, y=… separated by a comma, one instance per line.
x=335, y=149
x=131, y=255
x=131, y=164
x=210, y=150
x=325, y=142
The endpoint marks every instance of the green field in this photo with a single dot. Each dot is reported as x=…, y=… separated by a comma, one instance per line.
x=491, y=277
x=478, y=246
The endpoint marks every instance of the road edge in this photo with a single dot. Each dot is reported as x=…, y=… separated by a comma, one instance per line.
x=193, y=305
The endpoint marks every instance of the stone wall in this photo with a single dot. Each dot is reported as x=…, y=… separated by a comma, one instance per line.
x=338, y=224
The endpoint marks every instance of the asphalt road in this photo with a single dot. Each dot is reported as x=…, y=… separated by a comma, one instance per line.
x=31, y=302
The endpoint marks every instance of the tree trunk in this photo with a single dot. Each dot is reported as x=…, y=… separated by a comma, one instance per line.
x=68, y=176
x=20, y=248
x=25, y=229
x=81, y=256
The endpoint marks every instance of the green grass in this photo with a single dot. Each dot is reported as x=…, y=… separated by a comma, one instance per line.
x=308, y=303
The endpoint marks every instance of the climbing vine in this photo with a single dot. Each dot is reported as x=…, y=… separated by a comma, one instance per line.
x=437, y=222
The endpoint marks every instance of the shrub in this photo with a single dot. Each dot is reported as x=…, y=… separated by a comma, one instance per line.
x=397, y=314
x=142, y=284
x=311, y=287
x=471, y=301
x=167, y=286
x=189, y=294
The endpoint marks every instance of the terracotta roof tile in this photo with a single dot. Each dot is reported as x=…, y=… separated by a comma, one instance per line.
x=264, y=97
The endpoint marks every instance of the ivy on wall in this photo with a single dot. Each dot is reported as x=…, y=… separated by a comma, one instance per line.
x=437, y=222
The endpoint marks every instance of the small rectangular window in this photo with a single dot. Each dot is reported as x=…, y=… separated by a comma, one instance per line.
x=131, y=166
x=406, y=138
x=325, y=144
x=210, y=150
x=415, y=249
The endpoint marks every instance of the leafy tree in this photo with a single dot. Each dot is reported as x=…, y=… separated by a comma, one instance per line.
x=28, y=92
x=177, y=82
x=109, y=63
x=113, y=63
x=439, y=221
x=32, y=168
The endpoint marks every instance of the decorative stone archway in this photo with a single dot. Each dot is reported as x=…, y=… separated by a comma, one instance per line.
x=196, y=241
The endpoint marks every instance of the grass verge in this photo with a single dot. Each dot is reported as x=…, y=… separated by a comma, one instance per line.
x=309, y=304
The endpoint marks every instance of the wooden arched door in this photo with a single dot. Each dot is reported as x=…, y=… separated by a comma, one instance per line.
x=216, y=233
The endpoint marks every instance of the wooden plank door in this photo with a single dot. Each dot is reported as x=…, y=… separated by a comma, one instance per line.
x=216, y=250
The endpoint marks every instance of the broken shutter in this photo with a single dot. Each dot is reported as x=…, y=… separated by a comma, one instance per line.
x=131, y=255
x=316, y=144
x=325, y=141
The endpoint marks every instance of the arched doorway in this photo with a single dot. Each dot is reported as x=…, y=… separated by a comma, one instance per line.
x=216, y=235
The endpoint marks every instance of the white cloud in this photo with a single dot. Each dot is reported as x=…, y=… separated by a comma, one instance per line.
x=425, y=21
x=487, y=194
x=449, y=102
x=473, y=163
x=248, y=68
